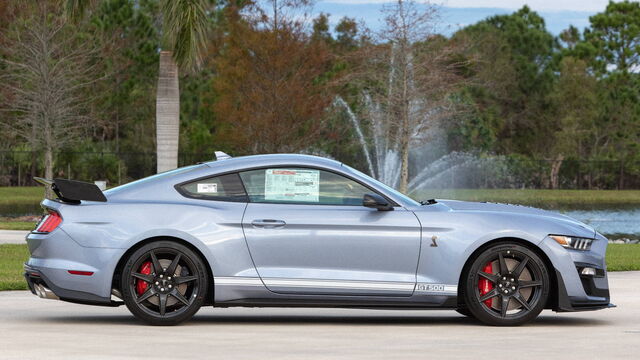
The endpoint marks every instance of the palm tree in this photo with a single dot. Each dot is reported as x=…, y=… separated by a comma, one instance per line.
x=184, y=32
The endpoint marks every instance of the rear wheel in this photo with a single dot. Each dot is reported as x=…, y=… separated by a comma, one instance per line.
x=506, y=285
x=164, y=283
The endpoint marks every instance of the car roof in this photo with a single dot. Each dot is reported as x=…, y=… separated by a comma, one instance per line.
x=254, y=161
x=154, y=187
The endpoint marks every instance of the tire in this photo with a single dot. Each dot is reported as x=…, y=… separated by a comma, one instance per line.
x=164, y=283
x=464, y=311
x=506, y=285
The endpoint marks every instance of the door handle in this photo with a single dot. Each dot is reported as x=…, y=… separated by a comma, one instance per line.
x=268, y=223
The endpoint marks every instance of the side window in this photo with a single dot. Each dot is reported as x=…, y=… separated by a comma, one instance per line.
x=222, y=188
x=302, y=186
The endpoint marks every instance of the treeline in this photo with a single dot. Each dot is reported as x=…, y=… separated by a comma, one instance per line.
x=273, y=79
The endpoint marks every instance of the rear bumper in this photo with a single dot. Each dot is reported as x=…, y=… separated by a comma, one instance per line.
x=39, y=284
x=54, y=258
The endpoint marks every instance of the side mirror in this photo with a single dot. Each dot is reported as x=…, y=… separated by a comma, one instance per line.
x=376, y=201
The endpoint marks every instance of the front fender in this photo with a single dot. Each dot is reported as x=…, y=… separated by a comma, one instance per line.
x=460, y=233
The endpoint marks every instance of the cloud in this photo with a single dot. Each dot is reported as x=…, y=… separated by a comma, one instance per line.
x=538, y=5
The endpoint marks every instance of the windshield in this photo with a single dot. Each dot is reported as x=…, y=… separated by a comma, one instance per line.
x=384, y=186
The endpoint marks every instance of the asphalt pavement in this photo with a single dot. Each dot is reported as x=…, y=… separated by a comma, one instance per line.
x=13, y=236
x=34, y=328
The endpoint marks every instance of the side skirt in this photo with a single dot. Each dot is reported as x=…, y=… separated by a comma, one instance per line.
x=251, y=291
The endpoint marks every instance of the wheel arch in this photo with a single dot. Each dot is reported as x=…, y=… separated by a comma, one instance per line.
x=115, y=279
x=553, y=291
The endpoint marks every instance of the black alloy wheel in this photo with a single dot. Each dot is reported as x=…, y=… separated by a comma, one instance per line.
x=506, y=285
x=164, y=283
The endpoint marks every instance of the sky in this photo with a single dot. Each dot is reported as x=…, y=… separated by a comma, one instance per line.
x=558, y=14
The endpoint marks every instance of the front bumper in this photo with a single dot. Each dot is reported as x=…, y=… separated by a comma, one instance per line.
x=577, y=292
x=568, y=304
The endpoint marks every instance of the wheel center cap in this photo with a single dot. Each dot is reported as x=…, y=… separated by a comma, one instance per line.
x=507, y=286
x=163, y=285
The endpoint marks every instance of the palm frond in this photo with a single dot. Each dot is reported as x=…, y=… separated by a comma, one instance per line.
x=185, y=29
x=75, y=9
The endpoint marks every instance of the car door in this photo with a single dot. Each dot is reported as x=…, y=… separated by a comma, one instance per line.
x=308, y=233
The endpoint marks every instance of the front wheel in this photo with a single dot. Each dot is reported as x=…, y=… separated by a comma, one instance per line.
x=164, y=283
x=506, y=285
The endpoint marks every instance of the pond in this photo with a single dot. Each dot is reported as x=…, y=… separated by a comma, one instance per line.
x=610, y=221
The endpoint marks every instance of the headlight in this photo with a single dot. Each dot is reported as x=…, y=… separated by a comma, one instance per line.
x=571, y=242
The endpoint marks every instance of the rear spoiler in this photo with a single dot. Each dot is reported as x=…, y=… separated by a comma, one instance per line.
x=73, y=191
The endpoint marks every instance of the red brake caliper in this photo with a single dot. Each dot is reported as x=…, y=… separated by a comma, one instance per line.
x=141, y=285
x=485, y=285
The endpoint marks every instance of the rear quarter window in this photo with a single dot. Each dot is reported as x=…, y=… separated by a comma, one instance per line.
x=221, y=188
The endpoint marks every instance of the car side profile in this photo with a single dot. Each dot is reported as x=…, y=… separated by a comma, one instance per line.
x=298, y=230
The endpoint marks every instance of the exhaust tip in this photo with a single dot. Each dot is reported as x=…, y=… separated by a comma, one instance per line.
x=45, y=293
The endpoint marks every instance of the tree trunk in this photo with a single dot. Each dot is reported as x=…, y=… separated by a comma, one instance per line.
x=555, y=171
x=621, y=180
x=404, y=169
x=34, y=153
x=33, y=170
x=167, y=113
x=405, y=131
x=48, y=170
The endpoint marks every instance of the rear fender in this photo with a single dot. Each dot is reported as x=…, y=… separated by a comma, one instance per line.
x=171, y=233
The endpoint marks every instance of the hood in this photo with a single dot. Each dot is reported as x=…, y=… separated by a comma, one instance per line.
x=495, y=207
x=487, y=207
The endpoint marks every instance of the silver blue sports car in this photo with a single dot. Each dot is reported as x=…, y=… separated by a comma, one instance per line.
x=297, y=230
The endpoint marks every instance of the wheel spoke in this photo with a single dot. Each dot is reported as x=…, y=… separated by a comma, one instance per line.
x=532, y=283
x=157, y=268
x=183, y=279
x=521, y=300
x=143, y=277
x=163, y=303
x=491, y=294
x=176, y=294
x=504, y=306
x=491, y=277
x=518, y=270
x=147, y=294
x=172, y=268
x=504, y=270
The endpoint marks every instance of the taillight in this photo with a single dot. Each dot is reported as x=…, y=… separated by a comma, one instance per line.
x=49, y=222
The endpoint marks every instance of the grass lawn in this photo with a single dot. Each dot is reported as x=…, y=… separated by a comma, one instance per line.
x=17, y=225
x=623, y=257
x=12, y=256
x=549, y=199
x=620, y=257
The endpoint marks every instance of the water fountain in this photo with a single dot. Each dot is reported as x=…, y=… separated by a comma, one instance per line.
x=431, y=166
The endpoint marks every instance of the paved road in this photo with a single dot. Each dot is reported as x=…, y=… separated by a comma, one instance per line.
x=12, y=237
x=32, y=328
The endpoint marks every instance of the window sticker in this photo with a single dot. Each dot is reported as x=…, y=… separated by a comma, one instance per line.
x=292, y=185
x=207, y=188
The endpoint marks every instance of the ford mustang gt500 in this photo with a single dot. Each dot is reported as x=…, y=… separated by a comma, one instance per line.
x=297, y=230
